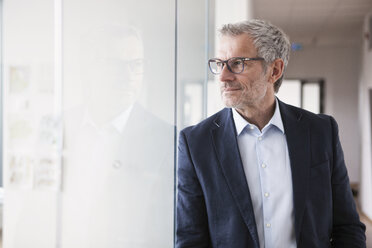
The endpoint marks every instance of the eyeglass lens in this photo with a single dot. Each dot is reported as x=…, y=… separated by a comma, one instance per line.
x=235, y=65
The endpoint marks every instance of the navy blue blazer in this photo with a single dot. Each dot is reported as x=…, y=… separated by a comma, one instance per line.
x=214, y=208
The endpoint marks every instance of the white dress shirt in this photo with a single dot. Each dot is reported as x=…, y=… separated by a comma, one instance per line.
x=267, y=169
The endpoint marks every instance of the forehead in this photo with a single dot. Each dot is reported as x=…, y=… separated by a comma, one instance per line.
x=115, y=46
x=129, y=47
x=236, y=46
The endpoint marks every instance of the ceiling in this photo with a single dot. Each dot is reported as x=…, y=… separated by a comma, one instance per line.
x=316, y=22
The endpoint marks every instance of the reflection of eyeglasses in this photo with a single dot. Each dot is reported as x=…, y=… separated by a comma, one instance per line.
x=135, y=66
x=235, y=65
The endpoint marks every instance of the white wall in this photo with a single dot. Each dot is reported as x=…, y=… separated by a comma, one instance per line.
x=339, y=67
x=232, y=11
x=365, y=127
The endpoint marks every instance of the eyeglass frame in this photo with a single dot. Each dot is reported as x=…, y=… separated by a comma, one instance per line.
x=228, y=67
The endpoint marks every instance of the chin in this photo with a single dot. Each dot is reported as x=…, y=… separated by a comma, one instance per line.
x=230, y=103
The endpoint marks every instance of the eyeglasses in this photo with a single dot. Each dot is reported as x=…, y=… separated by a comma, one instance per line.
x=134, y=66
x=235, y=65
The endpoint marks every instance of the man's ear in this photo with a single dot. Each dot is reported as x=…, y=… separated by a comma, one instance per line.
x=276, y=71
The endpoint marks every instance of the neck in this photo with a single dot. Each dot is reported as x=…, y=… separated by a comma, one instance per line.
x=260, y=114
x=103, y=113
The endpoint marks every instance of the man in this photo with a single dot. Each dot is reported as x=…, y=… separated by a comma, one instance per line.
x=262, y=173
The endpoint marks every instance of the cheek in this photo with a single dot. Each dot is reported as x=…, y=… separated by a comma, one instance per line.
x=247, y=85
x=252, y=87
x=261, y=88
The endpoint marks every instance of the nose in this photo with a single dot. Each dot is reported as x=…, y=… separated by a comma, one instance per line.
x=226, y=75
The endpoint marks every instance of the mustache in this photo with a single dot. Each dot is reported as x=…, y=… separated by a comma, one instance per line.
x=230, y=85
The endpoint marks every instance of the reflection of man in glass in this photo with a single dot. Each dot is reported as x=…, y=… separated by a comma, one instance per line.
x=115, y=72
x=119, y=176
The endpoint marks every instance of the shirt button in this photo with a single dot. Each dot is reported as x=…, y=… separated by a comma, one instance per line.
x=268, y=225
x=251, y=127
x=263, y=165
x=266, y=194
x=259, y=138
x=117, y=164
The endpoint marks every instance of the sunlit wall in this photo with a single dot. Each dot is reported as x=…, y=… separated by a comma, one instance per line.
x=365, y=113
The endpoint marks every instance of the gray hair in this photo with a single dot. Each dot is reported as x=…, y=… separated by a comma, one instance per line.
x=270, y=41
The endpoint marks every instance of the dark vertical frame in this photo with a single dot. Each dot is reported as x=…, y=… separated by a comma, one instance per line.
x=370, y=33
x=322, y=95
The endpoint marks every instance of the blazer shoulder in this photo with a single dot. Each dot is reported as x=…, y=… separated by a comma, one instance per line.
x=209, y=123
x=321, y=119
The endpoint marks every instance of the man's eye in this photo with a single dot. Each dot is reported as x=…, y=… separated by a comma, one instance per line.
x=219, y=64
x=236, y=63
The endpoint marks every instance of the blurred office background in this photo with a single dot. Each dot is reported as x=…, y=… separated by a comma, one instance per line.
x=94, y=93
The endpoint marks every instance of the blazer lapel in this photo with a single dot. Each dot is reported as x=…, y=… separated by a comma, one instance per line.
x=226, y=147
x=298, y=141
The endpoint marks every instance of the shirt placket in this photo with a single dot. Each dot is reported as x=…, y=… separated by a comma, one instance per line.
x=264, y=171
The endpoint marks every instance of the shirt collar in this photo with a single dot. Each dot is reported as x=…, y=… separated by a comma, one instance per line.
x=118, y=122
x=276, y=120
x=240, y=122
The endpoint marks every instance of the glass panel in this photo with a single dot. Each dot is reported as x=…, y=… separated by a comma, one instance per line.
x=214, y=96
x=192, y=103
x=290, y=92
x=119, y=123
x=191, y=62
x=31, y=128
x=117, y=188
x=311, y=97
